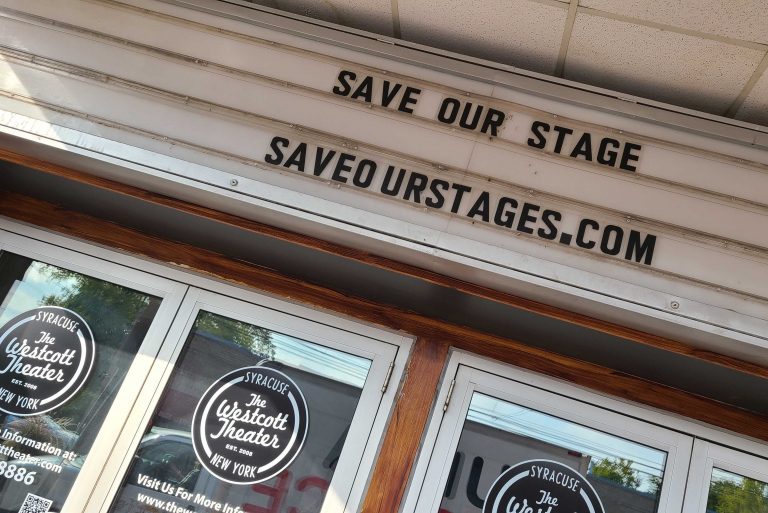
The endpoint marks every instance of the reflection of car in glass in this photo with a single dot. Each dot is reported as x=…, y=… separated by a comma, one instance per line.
x=49, y=484
x=166, y=454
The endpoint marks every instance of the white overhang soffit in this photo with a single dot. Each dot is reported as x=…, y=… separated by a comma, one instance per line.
x=698, y=66
x=638, y=215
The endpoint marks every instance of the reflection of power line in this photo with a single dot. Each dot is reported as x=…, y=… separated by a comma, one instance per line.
x=549, y=431
x=579, y=443
x=513, y=423
x=320, y=360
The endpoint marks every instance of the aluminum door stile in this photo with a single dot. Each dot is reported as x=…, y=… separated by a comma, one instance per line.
x=98, y=264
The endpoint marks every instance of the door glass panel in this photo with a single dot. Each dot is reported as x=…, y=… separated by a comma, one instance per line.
x=734, y=493
x=497, y=434
x=197, y=455
x=66, y=343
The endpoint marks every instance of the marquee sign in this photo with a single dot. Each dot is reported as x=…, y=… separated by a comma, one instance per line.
x=467, y=113
x=541, y=486
x=46, y=355
x=250, y=425
x=490, y=206
x=558, y=182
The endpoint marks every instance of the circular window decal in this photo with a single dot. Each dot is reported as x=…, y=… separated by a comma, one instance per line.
x=542, y=485
x=46, y=355
x=250, y=425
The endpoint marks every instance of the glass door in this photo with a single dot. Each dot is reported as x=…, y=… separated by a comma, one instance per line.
x=253, y=410
x=725, y=480
x=77, y=338
x=505, y=445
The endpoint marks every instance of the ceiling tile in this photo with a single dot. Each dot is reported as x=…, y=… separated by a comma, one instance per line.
x=516, y=32
x=755, y=107
x=370, y=15
x=739, y=19
x=666, y=66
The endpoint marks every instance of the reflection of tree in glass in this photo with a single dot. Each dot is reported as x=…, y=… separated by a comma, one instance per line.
x=117, y=307
x=118, y=317
x=253, y=338
x=617, y=470
x=655, y=484
x=748, y=496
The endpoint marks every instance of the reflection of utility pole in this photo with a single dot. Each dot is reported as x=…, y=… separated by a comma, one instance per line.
x=12, y=271
x=332, y=458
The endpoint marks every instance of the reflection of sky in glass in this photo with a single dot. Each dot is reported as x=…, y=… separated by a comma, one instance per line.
x=321, y=360
x=29, y=293
x=719, y=475
x=301, y=354
x=516, y=419
x=752, y=495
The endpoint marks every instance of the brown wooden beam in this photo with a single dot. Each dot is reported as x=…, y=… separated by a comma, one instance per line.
x=634, y=335
x=406, y=427
x=601, y=379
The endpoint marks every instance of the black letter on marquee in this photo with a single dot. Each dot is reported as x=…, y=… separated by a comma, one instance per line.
x=640, y=250
x=627, y=156
x=342, y=167
x=606, y=240
x=481, y=207
x=471, y=125
x=415, y=189
x=408, y=99
x=604, y=156
x=443, y=116
x=583, y=147
x=547, y=217
x=561, y=133
x=583, y=225
x=541, y=140
x=439, y=200
x=388, y=95
x=460, y=190
x=396, y=190
x=525, y=217
x=358, y=179
x=364, y=90
x=298, y=157
x=345, y=86
x=493, y=120
x=322, y=162
x=505, y=218
x=275, y=145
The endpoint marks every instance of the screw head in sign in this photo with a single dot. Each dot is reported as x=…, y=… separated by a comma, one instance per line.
x=233, y=182
x=674, y=305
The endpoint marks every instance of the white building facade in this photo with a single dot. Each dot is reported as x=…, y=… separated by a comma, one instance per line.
x=458, y=270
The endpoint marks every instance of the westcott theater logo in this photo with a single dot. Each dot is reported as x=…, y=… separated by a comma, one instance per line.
x=541, y=486
x=46, y=355
x=250, y=425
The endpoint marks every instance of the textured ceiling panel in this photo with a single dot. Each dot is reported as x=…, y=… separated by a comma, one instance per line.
x=516, y=32
x=755, y=107
x=739, y=19
x=370, y=15
x=670, y=67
